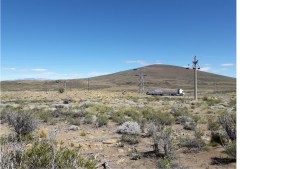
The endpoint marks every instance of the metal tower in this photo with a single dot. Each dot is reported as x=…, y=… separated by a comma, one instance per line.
x=141, y=80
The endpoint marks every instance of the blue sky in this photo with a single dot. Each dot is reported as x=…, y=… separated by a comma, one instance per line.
x=54, y=39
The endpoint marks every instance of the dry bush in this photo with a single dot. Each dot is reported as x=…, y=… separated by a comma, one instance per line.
x=11, y=154
x=228, y=122
x=129, y=128
x=195, y=143
x=23, y=123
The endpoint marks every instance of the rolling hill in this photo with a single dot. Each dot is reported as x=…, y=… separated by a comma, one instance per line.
x=158, y=77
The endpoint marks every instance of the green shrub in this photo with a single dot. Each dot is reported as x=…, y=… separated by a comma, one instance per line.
x=191, y=143
x=74, y=121
x=97, y=108
x=102, y=120
x=164, y=163
x=39, y=156
x=130, y=139
x=211, y=100
x=61, y=90
x=159, y=117
x=133, y=113
x=45, y=117
x=45, y=154
x=230, y=149
x=213, y=125
x=119, y=117
x=88, y=119
x=176, y=112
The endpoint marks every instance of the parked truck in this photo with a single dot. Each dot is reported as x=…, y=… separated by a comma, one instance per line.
x=178, y=92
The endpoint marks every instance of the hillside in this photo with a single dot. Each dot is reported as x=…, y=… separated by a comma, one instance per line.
x=158, y=77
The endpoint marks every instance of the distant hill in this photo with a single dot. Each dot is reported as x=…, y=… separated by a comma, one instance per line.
x=158, y=77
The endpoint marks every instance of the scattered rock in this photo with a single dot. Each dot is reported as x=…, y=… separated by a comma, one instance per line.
x=110, y=141
x=218, y=106
x=121, y=150
x=120, y=161
x=74, y=128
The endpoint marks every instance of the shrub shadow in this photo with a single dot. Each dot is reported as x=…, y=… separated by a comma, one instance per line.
x=221, y=161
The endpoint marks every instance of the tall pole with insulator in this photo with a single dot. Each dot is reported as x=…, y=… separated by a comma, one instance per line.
x=195, y=67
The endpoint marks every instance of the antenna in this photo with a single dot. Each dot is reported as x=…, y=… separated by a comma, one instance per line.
x=141, y=80
x=195, y=67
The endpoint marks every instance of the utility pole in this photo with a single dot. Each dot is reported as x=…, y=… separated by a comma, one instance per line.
x=195, y=67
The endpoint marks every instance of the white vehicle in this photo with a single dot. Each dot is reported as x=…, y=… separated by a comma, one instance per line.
x=178, y=92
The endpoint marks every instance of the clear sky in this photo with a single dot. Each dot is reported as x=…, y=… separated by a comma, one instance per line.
x=53, y=39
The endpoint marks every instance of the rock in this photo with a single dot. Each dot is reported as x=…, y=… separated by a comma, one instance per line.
x=120, y=161
x=218, y=107
x=110, y=141
x=121, y=150
x=74, y=128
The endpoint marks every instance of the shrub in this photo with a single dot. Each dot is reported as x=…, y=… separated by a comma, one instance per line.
x=230, y=149
x=45, y=117
x=39, y=156
x=164, y=163
x=176, y=112
x=61, y=90
x=118, y=117
x=90, y=118
x=151, y=129
x=211, y=100
x=45, y=154
x=228, y=122
x=23, y=123
x=11, y=155
x=162, y=118
x=102, y=120
x=135, y=156
x=193, y=143
x=129, y=128
x=131, y=139
x=43, y=133
x=74, y=121
x=213, y=125
x=97, y=108
x=134, y=114
x=82, y=133
x=189, y=125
